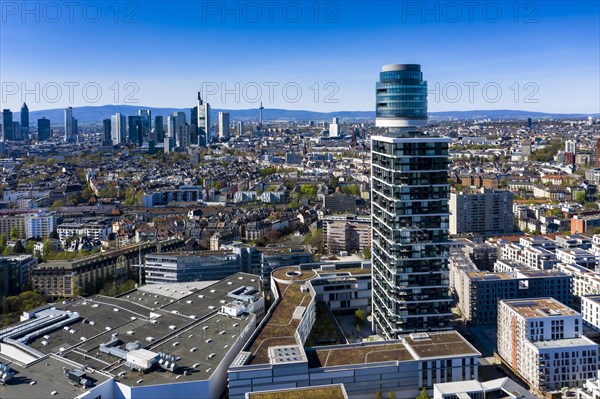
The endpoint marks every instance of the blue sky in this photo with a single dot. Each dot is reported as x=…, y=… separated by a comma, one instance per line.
x=322, y=56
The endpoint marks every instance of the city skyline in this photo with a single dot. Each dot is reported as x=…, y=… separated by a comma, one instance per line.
x=459, y=47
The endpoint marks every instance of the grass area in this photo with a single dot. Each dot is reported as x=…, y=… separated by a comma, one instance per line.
x=325, y=331
x=361, y=355
x=281, y=327
x=333, y=392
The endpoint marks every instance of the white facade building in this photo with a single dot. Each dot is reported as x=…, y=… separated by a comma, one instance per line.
x=40, y=224
x=541, y=339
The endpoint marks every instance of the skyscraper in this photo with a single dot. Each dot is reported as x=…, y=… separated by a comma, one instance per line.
x=181, y=133
x=203, y=122
x=224, y=125
x=7, y=125
x=43, y=126
x=159, y=129
x=135, y=133
x=194, y=125
x=410, y=193
x=106, y=137
x=146, y=117
x=118, y=128
x=240, y=128
x=24, y=120
x=334, y=128
x=70, y=130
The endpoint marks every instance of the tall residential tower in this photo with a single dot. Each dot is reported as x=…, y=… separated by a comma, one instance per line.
x=410, y=193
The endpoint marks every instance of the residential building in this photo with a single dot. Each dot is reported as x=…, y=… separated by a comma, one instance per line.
x=482, y=212
x=410, y=193
x=15, y=273
x=481, y=290
x=40, y=224
x=79, y=276
x=541, y=340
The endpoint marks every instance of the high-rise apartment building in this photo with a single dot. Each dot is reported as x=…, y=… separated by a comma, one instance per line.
x=483, y=211
x=410, y=191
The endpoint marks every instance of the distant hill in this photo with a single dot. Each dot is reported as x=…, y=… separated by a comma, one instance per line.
x=95, y=115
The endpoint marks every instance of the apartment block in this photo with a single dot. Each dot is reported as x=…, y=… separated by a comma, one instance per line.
x=541, y=339
x=484, y=212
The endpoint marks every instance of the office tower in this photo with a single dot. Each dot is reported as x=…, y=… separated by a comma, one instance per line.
x=24, y=121
x=223, y=125
x=240, y=128
x=571, y=146
x=159, y=129
x=179, y=130
x=334, y=128
x=75, y=125
x=118, y=129
x=146, y=118
x=106, y=137
x=410, y=191
x=194, y=125
x=203, y=122
x=135, y=136
x=43, y=127
x=260, y=116
x=70, y=132
x=7, y=125
x=529, y=123
x=17, y=130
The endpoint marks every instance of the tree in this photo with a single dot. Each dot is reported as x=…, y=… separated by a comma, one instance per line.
x=579, y=196
x=378, y=395
x=360, y=316
x=391, y=395
x=29, y=246
x=423, y=394
x=366, y=252
x=14, y=233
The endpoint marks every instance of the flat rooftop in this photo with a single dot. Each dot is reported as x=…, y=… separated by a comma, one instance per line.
x=48, y=375
x=567, y=343
x=324, y=392
x=282, y=325
x=408, y=348
x=539, y=307
x=186, y=324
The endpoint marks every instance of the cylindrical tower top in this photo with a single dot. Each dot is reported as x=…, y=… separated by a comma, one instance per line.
x=401, y=96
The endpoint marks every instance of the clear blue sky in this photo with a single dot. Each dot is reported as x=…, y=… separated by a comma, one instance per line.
x=543, y=55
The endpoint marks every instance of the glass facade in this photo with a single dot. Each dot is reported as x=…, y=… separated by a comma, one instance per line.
x=401, y=94
x=410, y=215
